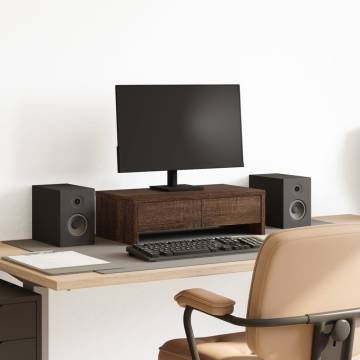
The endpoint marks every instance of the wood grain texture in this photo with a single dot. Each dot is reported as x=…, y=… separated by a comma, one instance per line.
x=231, y=211
x=210, y=191
x=122, y=215
x=116, y=218
x=165, y=215
x=91, y=279
x=8, y=250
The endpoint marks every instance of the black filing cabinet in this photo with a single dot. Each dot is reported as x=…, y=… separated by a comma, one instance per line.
x=20, y=323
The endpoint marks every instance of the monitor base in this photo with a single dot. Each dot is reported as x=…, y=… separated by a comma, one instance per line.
x=180, y=187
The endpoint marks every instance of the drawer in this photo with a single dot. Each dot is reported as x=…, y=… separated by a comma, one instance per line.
x=169, y=215
x=18, y=349
x=231, y=211
x=17, y=321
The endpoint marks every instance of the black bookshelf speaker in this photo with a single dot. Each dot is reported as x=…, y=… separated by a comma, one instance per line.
x=63, y=214
x=287, y=199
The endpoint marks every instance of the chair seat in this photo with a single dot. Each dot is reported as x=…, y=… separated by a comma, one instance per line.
x=221, y=347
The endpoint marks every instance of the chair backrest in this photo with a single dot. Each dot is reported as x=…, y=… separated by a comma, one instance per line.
x=302, y=271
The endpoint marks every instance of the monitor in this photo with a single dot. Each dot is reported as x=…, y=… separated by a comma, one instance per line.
x=178, y=127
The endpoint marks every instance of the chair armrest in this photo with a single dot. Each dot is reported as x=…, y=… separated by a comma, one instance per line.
x=205, y=301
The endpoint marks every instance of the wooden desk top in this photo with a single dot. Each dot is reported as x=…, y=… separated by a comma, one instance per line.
x=92, y=279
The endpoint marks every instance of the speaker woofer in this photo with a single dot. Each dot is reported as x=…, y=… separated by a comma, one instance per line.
x=297, y=210
x=77, y=225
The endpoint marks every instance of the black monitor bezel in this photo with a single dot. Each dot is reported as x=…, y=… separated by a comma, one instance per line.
x=241, y=163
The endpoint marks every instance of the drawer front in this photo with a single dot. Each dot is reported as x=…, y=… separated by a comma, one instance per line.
x=169, y=215
x=18, y=349
x=17, y=321
x=231, y=211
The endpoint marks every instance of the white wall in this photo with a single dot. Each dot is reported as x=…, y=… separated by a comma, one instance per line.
x=130, y=322
x=297, y=63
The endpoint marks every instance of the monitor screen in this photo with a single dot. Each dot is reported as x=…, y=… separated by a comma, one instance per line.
x=174, y=127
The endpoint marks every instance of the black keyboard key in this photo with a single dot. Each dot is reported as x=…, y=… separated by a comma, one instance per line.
x=165, y=253
x=149, y=252
x=190, y=252
x=155, y=251
x=214, y=248
x=226, y=247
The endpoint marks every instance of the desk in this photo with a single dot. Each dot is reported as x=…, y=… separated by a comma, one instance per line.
x=92, y=279
x=105, y=311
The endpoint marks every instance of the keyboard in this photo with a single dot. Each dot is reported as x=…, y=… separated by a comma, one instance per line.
x=183, y=249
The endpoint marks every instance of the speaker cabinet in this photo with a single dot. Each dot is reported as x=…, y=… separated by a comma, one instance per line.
x=287, y=199
x=63, y=214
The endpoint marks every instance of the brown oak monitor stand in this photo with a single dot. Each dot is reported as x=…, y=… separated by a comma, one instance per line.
x=125, y=215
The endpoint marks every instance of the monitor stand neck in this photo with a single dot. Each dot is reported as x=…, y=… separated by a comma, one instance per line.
x=174, y=186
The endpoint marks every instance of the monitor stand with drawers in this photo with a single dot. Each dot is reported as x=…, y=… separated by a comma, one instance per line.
x=125, y=215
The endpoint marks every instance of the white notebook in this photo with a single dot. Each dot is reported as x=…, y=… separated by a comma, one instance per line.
x=55, y=260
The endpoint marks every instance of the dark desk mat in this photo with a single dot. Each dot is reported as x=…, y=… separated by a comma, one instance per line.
x=119, y=262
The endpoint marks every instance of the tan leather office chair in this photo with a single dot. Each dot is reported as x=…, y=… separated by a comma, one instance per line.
x=299, y=275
